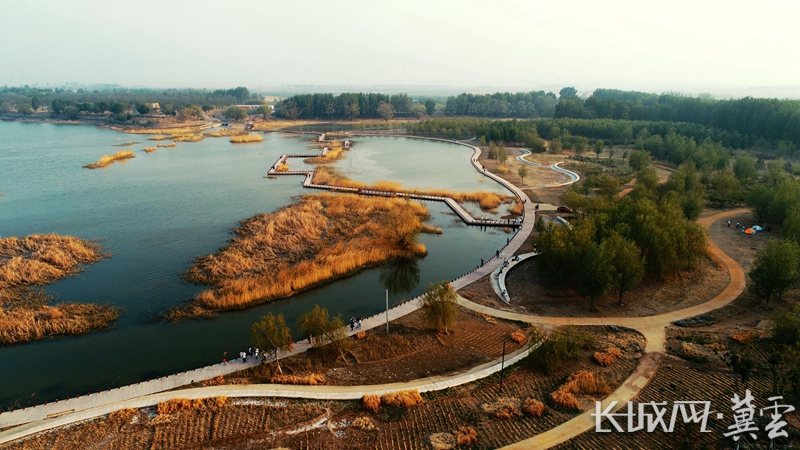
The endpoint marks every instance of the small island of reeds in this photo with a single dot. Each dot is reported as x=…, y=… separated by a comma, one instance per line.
x=246, y=138
x=25, y=311
x=149, y=149
x=108, y=159
x=317, y=240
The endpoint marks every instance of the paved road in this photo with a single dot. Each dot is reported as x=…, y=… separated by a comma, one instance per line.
x=653, y=328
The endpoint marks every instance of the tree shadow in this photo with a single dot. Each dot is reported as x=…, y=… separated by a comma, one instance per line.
x=400, y=276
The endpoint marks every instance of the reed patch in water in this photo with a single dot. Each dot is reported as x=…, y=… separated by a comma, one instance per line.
x=246, y=138
x=35, y=260
x=321, y=238
x=108, y=159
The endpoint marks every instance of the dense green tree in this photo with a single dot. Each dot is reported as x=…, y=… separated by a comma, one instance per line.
x=439, y=306
x=235, y=113
x=726, y=188
x=744, y=167
x=71, y=112
x=24, y=109
x=35, y=103
x=598, y=147
x=271, y=333
x=628, y=264
x=143, y=108
x=502, y=154
x=555, y=146
x=597, y=273
x=116, y=108
x=418, y=110
x=386, y=111
x=791, y=226
x=523, y=172
x=567, y=92
x=191, y=112
x=430, y=106
x=775, y=270
x=639, y=160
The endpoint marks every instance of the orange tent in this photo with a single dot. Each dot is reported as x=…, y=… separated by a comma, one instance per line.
x=749, y=231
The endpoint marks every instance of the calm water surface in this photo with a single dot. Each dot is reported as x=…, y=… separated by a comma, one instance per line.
x=156, y=212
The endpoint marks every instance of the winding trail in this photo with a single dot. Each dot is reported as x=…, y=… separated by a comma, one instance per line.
x=44, y=417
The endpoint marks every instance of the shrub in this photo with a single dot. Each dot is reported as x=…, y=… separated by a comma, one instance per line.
x=744, y=336
x=309, y=380
x=282, y=167
x=371, y=402
x=533, y=407
x=507, y=412
x=174, y=405
x=402, y=398
x=442, y=441
x=466, y=436
x=581, y=382
x=561, y=346
x=363, y=423
x=608, y=357
x=516, y=209
x=122, y=414
x=518, y=337
x=489, y=201
x=361, y=334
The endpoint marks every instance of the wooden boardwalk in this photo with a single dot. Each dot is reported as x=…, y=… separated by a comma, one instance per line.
x=460, y=211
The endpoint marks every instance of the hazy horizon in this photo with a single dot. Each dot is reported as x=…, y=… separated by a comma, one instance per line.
x=720, y=48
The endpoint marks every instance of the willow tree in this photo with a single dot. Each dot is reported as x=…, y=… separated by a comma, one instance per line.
x=439, y=306
x=273, y=334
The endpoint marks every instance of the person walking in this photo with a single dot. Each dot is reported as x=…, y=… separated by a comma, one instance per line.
x=729, y=224
x=481, y=261
x=224, y=358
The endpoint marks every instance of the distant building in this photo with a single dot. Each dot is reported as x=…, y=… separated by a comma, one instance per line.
x=248, y=106
x=155, y=106
x=321, y=137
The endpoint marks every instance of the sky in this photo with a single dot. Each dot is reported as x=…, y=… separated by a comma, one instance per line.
x=655, y=46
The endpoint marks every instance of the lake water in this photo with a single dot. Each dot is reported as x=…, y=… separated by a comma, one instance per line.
x=157, y=212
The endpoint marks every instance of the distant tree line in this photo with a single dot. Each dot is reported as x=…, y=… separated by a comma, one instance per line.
x=768, y=121
x=63, y=102
x=524, y=105
x=348, y=106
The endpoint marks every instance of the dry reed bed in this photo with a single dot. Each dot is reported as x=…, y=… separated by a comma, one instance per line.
x=37, y=260
x=319, y=239
x=246, y=139
x=226, y=132
x=167, y=145
x=149, y=149
x=188, y=138
x=165, y=131
x=126, y=144
x=486, y=200
x=108, y=159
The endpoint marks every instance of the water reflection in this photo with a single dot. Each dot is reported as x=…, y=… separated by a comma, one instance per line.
x=400, y=276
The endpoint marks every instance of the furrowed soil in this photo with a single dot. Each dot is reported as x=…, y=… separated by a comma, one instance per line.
x=257, y=423
x=410, y=351
x=677, y=380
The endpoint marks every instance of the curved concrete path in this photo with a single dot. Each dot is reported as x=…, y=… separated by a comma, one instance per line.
x=653, y=328
x=498, y=278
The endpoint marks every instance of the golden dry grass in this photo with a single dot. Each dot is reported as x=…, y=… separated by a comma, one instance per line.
x=126, y=144
x=175, y=405
x=430, y=229
x=247, y=138
x=486, y=200
x=313, y=379
x=745, y=336
x=402, y=398
x=158, y=138
x=516, y=209
x=166, y=131
x=371, y=402
x=269, y=125
x=124, y=414
x=319, y=239
x=466, y=436
x=533, y=407
x=608, y=357
x=581, y=382
x=149, y=149
x=519, y=337
x=36, y=260
x=361, y=334
x=282, y=167
x=226, y=132
x=170, y=145
x=188, y=138
x=108, y=159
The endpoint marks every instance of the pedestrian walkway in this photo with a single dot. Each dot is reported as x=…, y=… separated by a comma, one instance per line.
x=498, y=278
x=43, y=417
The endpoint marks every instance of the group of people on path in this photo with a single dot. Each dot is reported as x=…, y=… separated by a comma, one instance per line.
x=250, y=353
x=355, y=323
